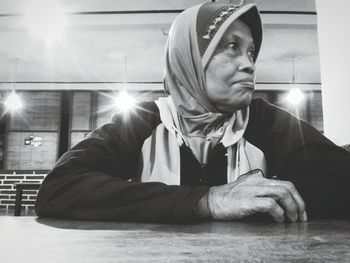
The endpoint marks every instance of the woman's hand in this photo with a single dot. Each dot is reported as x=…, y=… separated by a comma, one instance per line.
x=253, y=193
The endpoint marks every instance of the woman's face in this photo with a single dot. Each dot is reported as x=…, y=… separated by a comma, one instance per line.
x=230, y=74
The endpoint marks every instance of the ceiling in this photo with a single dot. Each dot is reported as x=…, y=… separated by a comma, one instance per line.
x=96, y=45
x=16, y=6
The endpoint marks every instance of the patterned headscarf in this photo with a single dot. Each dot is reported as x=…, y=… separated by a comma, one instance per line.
x=187, y=115
x=192, y=41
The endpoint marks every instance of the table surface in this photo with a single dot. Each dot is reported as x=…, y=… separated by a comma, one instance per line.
x=29, y=239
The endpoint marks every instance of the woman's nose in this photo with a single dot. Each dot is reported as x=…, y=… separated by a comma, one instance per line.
x=247, y=64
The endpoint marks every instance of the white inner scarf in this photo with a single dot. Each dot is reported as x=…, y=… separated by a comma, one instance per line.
x=161, y=151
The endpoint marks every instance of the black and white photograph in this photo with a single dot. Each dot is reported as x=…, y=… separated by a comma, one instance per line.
x=174, y=131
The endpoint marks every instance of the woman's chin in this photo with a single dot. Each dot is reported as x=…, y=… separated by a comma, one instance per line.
x=232, y=107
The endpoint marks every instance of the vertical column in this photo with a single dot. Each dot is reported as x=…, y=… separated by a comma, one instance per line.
x=3, y=129
x=334, y=43
x=65, y=122
x=94, y=110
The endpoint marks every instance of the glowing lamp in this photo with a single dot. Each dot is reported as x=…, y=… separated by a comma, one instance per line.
x=295, y=96
x=124, y=101
x=13, y=102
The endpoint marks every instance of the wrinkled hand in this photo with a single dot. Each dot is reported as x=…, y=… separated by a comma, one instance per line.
x=253, y=193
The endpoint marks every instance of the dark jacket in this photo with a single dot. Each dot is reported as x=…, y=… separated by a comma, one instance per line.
x=98, y=178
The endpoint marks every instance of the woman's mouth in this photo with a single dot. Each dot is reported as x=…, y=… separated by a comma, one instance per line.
x=245, y=83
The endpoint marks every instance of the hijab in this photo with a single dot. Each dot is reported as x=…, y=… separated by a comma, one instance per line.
x=188, y=116
x=192, y=41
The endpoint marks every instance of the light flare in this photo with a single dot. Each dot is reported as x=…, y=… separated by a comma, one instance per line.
x=13, y=102
x=295, y=96
x=124, y=101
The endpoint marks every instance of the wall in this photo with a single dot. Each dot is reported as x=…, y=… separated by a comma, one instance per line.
x=39, y=118
x=334, y=41
x=8, y=183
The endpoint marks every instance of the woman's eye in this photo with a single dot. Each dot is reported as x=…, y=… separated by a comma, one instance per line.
x=233, y=45
x=251, y=54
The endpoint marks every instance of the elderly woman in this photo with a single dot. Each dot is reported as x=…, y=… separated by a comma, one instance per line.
x=207, y=151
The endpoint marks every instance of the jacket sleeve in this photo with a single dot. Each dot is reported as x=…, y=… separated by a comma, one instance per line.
x=297, y=152
x=97, y=179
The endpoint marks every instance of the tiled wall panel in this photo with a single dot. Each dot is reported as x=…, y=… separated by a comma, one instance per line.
x=22, y=157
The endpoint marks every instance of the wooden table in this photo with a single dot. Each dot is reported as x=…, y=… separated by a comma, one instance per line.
x=28, y=239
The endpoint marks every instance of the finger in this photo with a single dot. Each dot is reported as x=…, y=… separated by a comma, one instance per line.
x=280, y=194
x=295, y=194
x=268, y=205
x=298, y=199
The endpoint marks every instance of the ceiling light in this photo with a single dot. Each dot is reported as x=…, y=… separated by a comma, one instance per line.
x=295, y=96
x=124, y=101
x=13, y=102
